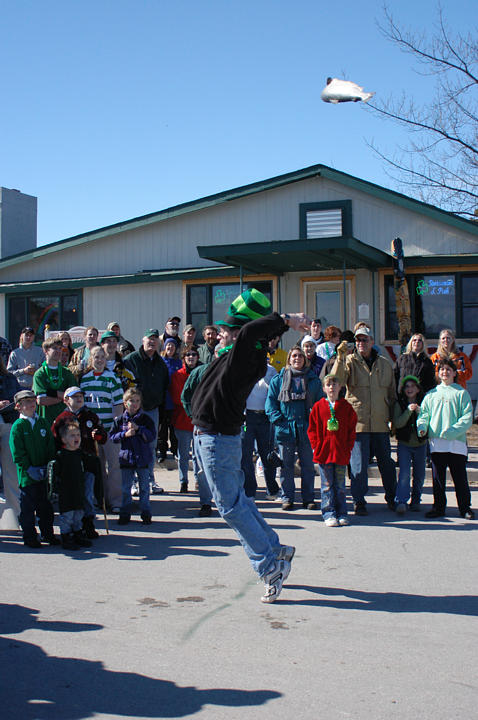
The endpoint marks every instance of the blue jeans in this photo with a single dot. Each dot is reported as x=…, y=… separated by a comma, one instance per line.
x=407, y=456
x=154, y=415
x=257, y=429
x=287, y=450
x=89, y=504
x=205, y=495
x=220, y=457
x=127, y=478
x=70, y=521
x=333, y=497
x=366, y=445
x=185, y=438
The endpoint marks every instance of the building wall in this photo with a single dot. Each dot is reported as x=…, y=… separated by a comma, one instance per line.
x=266, y=216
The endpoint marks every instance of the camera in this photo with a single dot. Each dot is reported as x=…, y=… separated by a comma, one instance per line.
x=273, y=458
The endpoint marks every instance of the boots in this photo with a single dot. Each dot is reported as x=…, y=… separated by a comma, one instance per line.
x=89, y=528
x=68, y=542
x=81, y=539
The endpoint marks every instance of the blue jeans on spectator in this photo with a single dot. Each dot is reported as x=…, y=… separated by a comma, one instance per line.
x=257, y=429
x=70, y=521
x=127, y=477
x=220, y=457
x=205, y=495
x=287, y=450
x=185, y=438
x=407, y=456
x=154, y=415
x=34, y=501
x=89, y=505
x=367, y=445
x=333, y=498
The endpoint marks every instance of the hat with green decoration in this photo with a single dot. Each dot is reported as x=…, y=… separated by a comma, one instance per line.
x=249, y=305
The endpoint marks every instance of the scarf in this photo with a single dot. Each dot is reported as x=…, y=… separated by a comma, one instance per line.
x=53, y=382
x=295, y=386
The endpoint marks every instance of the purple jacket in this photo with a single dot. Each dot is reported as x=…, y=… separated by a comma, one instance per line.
x=135, y=451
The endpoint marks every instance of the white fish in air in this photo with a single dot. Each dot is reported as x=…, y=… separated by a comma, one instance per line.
x=338, y=91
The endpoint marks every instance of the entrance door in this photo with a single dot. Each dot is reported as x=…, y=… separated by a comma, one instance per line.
x=325, y=300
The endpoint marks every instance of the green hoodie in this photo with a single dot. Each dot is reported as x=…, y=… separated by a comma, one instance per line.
x=446, y=412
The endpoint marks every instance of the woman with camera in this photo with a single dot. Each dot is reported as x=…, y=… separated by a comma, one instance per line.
x=291, y=396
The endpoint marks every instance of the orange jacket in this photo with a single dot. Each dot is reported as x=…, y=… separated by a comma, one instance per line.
x=463, y=366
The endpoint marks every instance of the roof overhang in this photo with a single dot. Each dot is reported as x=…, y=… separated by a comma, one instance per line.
x=283, y=256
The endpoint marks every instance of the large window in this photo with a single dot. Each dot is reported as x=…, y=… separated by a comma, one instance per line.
x=206, y=304
x=325, y=219
x=58, y=312
x=437, y=301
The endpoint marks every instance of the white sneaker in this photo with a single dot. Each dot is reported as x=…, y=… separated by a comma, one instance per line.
x=135, y=490
x=344, y=521
x=157, y=489
x=274, y=580
x=331, y=522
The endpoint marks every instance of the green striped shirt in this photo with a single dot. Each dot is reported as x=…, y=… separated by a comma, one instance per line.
x=102, y=393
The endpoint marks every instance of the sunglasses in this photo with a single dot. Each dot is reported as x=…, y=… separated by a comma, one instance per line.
x=191, y=355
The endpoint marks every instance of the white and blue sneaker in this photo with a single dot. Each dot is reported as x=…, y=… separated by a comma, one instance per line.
x=274, y=580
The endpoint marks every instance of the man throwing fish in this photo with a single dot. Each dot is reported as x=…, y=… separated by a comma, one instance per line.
x=218, y=406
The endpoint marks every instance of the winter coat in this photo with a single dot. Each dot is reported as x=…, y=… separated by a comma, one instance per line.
x=291, y=419
x=180, y=420
x=418, y=364
x=370, y=392
x=151, y=376
x=135, y=450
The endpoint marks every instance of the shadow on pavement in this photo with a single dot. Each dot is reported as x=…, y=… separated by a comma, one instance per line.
x=37, y=686
x=387, y=601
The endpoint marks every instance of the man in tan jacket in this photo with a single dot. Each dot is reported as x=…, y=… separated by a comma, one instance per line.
x=370, y=385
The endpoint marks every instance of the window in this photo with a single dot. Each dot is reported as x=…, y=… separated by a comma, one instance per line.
x=325, y=219
x=436, y=301
x=206, y=304
x=59, y=312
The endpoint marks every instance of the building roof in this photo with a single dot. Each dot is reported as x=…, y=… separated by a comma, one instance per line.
x=240, y=192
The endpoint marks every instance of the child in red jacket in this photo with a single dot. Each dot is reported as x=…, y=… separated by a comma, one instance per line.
x=332, y=435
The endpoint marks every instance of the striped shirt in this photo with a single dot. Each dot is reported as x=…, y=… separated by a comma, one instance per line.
x=102, y=393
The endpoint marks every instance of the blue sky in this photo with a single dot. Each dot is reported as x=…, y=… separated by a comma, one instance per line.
x=113, y=109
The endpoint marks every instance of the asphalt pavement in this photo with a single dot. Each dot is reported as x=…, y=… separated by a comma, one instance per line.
x=377, y=620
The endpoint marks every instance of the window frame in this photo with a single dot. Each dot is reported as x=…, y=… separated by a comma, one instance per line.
x=411, y=277
x=344, y=205
x=26, y=297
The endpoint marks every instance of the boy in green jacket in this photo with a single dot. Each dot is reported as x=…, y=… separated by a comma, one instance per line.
x=32, y=445
x=446, y=413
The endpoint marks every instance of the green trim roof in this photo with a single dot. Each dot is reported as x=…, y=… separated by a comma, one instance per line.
x=148, y=276
x=243, y=191
x=298, y=255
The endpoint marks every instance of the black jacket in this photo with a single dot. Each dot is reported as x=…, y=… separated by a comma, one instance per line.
x=151, y=375
x=219, y=401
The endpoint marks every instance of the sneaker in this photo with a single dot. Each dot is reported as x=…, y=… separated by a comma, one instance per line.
x=287, y=505
x=146, y=519
x=272, y=496
x=360, y=508
x=401, y=509
x=468, y=514
x=309, y=505
x=51, y=540
x=286, y=552
x=183, y=487
x=331, y=522
x=414, y=507
x=392, y=505
x=161, y=458
x=89, y=528
x=32, y=543
x=344, y=521
x=157, y=489
x=135, y=490
x=68, y=542
x=274, y=580
x=205, y=511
